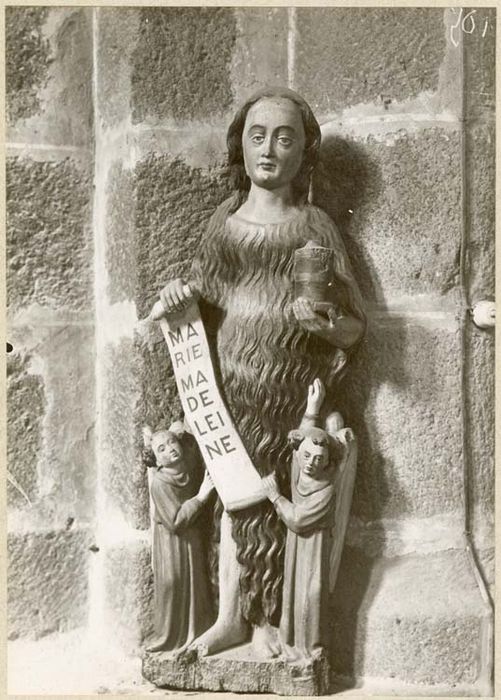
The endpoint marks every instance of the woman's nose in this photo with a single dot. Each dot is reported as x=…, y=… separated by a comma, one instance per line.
x=268, y=149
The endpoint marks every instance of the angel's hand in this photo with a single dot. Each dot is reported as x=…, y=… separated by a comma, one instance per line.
x=316, y=396
x=206, y=487
x=270, y=487
x=346, y=436
x=350, y=435
x=177, y=427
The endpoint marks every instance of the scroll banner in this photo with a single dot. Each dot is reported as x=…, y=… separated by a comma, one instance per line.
x=235, y=477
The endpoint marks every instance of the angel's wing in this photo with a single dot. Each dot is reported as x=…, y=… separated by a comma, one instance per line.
x=147, y=435
x=178, y=428
x=152, y=515
x=345, y=481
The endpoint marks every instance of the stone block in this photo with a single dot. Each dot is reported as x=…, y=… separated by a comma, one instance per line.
x=200, y=146
x=236, y=671
x=129, y=592
x=402, y=397
x=479, y=37
x=480, y=442
x=487, y=562
x=26, y=407
x=480, y=403
x=49, y=76
x=346, y=56
x=49, y=239
x=118, y=32
x=27, y=54
x=155, y=217
x=47, y=582
x=481, y=207
x=121, y=249
x=125, y=479
x=397, y=203
x=181, y=64
x=260, y=56
x=51, y=445
x=173, y=205
x=159, y=402
x=139, y=390
x=411, y=620
x=68, y=465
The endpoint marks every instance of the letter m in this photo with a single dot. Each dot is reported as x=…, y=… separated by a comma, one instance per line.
x=176, y=337
x=187, y=384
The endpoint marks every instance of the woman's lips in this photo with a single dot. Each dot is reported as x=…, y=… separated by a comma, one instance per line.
x=267, y=166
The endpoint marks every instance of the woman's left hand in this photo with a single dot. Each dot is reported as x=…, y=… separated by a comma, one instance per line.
x=308, y=317
x=340, y=331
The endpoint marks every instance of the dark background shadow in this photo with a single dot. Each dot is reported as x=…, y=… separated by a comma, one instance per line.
x=346, y=184
x=346, y=180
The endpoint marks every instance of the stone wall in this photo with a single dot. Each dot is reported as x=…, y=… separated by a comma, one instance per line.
x=50, y=371
x=406, y=104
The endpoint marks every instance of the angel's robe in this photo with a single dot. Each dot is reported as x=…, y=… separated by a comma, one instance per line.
x=182, y=602
x=310, y=521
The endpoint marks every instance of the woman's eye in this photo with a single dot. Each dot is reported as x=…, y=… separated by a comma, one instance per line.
x=257, y=138
x=284, y=141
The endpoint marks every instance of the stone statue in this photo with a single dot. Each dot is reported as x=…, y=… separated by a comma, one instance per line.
x=267, y=343
x=182, y=601
x=310, y=518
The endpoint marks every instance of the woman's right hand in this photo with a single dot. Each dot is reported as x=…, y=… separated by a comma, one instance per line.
x=174, y=297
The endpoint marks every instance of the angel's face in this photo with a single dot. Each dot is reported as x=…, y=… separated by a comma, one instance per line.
x=166, y=449
x=313, y=459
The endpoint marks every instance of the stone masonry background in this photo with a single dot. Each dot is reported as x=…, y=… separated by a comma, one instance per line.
x=115, y=162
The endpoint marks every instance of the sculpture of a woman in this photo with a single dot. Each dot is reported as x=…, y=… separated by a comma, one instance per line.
x=266, y=345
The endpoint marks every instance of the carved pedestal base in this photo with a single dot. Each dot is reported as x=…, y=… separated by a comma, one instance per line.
x=236, y=671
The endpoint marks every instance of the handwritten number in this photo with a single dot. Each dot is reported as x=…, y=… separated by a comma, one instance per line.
x=472, y=22
x=455, y=26
x=465, y=23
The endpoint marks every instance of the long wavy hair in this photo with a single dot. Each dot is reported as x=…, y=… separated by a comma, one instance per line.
x=301, y=183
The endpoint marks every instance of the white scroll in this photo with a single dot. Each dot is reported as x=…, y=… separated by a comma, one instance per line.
x=235, y=477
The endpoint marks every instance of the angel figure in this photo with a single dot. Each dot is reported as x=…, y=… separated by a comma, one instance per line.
x=182, y=601
x=322, y=476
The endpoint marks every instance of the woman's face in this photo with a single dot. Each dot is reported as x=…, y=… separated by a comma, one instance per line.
x=273, y=142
